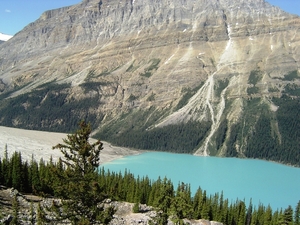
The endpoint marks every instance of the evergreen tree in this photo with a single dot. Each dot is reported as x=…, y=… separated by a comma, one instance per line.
x=275, y=217
x=205, y=207
x=181, y=205
x=288, y=216
x=268, y=216
x=297, y=214
x=16, y=162
x=25, y=177
x=241, y=217
x=6, y=169
x=249, y=213
x=77, y=184
x=34, y=176
x=196, y=203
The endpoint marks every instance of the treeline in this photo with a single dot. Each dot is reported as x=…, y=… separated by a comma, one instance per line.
x=177, y=203
x=29, y=177
x=48, y=108
x=182, y=138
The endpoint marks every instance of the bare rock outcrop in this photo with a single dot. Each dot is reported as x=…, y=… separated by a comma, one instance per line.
x=123, y=216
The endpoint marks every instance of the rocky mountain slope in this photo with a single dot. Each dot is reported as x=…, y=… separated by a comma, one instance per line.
x=211, y=77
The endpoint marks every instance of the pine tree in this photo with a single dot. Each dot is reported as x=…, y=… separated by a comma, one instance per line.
x=297, y=214
x=25, y=177
x=16, y=162
x=196, y=203
x=34, y=176
x=288, y=216
x=268, y=216
x=6, y=169
x=249, y=213
x=77, y=184
x=241, y=213
x=181, y=204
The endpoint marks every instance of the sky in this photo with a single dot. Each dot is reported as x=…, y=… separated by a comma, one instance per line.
x=16, y=14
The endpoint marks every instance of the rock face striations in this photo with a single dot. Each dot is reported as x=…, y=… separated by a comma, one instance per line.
x=210, y=77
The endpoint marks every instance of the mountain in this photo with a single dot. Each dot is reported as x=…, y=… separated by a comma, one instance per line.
x=213, y=77
x=4, y=37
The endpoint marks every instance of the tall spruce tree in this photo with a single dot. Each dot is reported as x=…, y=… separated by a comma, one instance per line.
x=6, y=169
x=286, y=217
x=77, y=184
x=16, y=162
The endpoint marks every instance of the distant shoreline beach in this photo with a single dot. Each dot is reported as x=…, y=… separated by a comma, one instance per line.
x=39, y=145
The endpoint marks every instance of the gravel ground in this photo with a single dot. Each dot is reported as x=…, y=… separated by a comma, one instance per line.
x=39, y=144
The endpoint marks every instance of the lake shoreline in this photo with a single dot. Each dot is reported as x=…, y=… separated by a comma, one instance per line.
x=38, y=144
x=41, y=143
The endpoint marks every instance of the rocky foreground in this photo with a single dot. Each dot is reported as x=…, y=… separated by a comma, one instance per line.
x=123, y=215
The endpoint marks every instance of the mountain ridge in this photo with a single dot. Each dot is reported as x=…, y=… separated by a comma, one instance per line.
x=140, y=69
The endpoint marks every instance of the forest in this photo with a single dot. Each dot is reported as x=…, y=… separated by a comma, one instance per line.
x=258, y=133
x=78, y=178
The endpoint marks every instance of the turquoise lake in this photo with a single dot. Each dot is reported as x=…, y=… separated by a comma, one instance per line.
x=264, y=182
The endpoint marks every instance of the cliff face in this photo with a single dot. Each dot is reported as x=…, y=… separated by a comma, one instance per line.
x=153, y=64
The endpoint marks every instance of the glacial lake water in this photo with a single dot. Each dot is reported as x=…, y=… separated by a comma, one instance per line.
x=264, y=182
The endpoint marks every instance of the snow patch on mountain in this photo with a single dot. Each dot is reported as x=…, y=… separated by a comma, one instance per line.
x=5, y=37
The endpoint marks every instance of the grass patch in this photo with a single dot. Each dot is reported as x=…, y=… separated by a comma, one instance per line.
x=252, y=90
x=273, y=89
x=150, y=69
x=255, y=77
x=132, y=97
x=221, y=85
x=92, y=73
x=131, y=68
x=92, y=86
x=292, y=89
x=151, y=97
x=291, y=76
x=187, y=94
